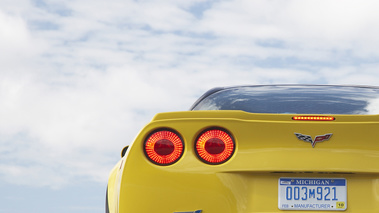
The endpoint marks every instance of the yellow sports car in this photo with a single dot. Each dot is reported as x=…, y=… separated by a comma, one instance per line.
x=256, y=149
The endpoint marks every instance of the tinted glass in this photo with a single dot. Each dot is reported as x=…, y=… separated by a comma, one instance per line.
x=294, y=100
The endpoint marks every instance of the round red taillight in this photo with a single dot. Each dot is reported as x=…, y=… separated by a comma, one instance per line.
x=215, y=146
x=163, y=147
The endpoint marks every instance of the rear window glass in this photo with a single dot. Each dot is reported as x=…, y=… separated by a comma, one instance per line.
x=294, y=100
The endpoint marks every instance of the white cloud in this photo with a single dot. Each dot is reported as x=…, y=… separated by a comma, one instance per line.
x=355, y=75
x=80, y=78
x=300, y=25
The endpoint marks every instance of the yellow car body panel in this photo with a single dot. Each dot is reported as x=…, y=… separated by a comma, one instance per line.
x=266, y=149
x=114, y=188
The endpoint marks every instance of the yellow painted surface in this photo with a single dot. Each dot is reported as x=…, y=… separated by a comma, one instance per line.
x=266, y=149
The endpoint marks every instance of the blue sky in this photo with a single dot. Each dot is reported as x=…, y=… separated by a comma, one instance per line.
x=80, y=78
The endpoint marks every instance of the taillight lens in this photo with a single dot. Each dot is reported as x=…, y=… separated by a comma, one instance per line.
x=313, y=118
x=164, y=147
x=215, y=146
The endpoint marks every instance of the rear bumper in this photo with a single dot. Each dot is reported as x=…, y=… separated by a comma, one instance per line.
x=238, y=192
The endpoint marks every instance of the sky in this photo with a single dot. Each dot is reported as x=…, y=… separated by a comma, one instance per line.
x=80, y=78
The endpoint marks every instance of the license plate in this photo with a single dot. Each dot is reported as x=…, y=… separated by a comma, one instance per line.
x=312, y=194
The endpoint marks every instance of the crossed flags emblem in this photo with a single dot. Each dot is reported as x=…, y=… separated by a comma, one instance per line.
x=318, y=138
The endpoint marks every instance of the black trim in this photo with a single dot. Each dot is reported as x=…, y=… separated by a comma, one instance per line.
x=123, y=152
x=106, y=201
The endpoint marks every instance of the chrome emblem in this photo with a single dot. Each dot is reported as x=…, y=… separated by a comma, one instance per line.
x=318, y=138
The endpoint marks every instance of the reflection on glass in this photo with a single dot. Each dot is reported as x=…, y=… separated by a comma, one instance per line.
x=294, y=100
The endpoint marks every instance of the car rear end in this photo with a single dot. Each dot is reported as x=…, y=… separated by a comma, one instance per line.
x=275, y=163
